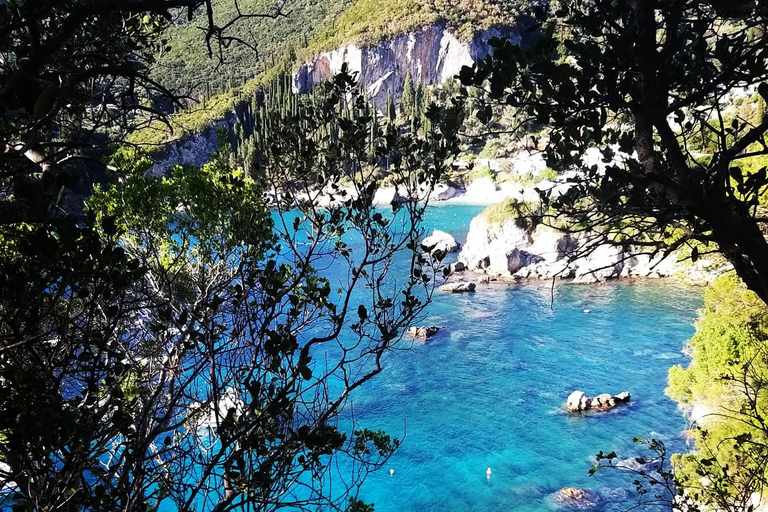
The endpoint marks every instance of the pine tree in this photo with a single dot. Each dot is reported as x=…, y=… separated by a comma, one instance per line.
x=391, y=113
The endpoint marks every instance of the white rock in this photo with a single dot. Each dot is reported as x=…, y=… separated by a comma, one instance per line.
x=458, y=287
x=440, y=241
x=386, y=196
x=575, y=401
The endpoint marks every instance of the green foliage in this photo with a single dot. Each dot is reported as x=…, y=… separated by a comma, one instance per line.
x=727, y=469
x=524, y=214
x=733, y=324
x=264, y=43
x=548, y=174
x=160, y=351
x=597, y=80
x=356, y=505
x=366, y=441
x=408, y=99
x=478, y=172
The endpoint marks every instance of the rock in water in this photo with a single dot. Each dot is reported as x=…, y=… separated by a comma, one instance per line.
x=459, y=287
x=440, y=241
x=457, y=267
x=578, y=401
x=424, y=331
x=576, y=498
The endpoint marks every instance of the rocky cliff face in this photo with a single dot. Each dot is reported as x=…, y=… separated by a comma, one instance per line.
x=194, y=149
x=432, y=55
x=508, y=250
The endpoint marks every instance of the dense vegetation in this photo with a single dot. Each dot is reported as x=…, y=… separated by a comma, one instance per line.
x=159, y=338
x=648, y=79
x=725, y=383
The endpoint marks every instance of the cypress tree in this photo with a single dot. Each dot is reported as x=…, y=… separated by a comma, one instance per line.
x=391, y=113
x=407, y=102
x=419, y=99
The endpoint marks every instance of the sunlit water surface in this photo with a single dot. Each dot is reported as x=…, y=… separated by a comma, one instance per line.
x=490, y=388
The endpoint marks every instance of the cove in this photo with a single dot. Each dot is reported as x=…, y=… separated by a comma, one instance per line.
x=490, y=389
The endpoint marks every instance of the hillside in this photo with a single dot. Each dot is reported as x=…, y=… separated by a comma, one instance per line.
x=307, y=28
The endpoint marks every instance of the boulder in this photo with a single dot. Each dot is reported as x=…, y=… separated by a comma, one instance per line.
x=440, y=241
x=443, y=192
x=603, y=262
x=484, y=279
x=578, y=401
x=457, y=267
x=386, y=196
x=426, y=331
x=624, y=396
x=576, y=498
x=459, y=287
x=603, y=400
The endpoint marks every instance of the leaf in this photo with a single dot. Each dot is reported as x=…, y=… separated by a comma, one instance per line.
x=362, y=312
x=762, y=89
x=695, y=254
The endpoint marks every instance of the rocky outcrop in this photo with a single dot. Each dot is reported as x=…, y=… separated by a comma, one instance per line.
x=440, y=241
x=458, y=287
x=432, y=54
x=424, y=331
x=506, y=249
x=578, y=401
x=445, y=191
x=197, y=148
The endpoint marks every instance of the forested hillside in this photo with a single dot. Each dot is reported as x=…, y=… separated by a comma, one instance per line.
x=302, y=28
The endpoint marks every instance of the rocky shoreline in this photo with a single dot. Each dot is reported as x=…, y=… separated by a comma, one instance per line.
x=505, y=251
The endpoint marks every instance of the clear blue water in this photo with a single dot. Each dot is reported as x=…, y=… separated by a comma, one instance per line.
x=489, y=390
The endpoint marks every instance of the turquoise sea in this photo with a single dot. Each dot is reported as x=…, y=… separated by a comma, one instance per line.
x=489, y=390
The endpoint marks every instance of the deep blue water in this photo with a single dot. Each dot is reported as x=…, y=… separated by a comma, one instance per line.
x=490, y=388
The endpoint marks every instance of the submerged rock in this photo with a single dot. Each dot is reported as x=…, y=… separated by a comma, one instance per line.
x=459, y=287
x=576, y=498
x=578, y=401
x=426, y=331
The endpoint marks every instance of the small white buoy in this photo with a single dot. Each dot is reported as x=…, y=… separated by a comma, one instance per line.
x=391, y=472
x=488, y=473
x=587, y=311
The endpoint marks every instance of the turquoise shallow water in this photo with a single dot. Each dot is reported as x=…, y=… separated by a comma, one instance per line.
x=489, y=390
